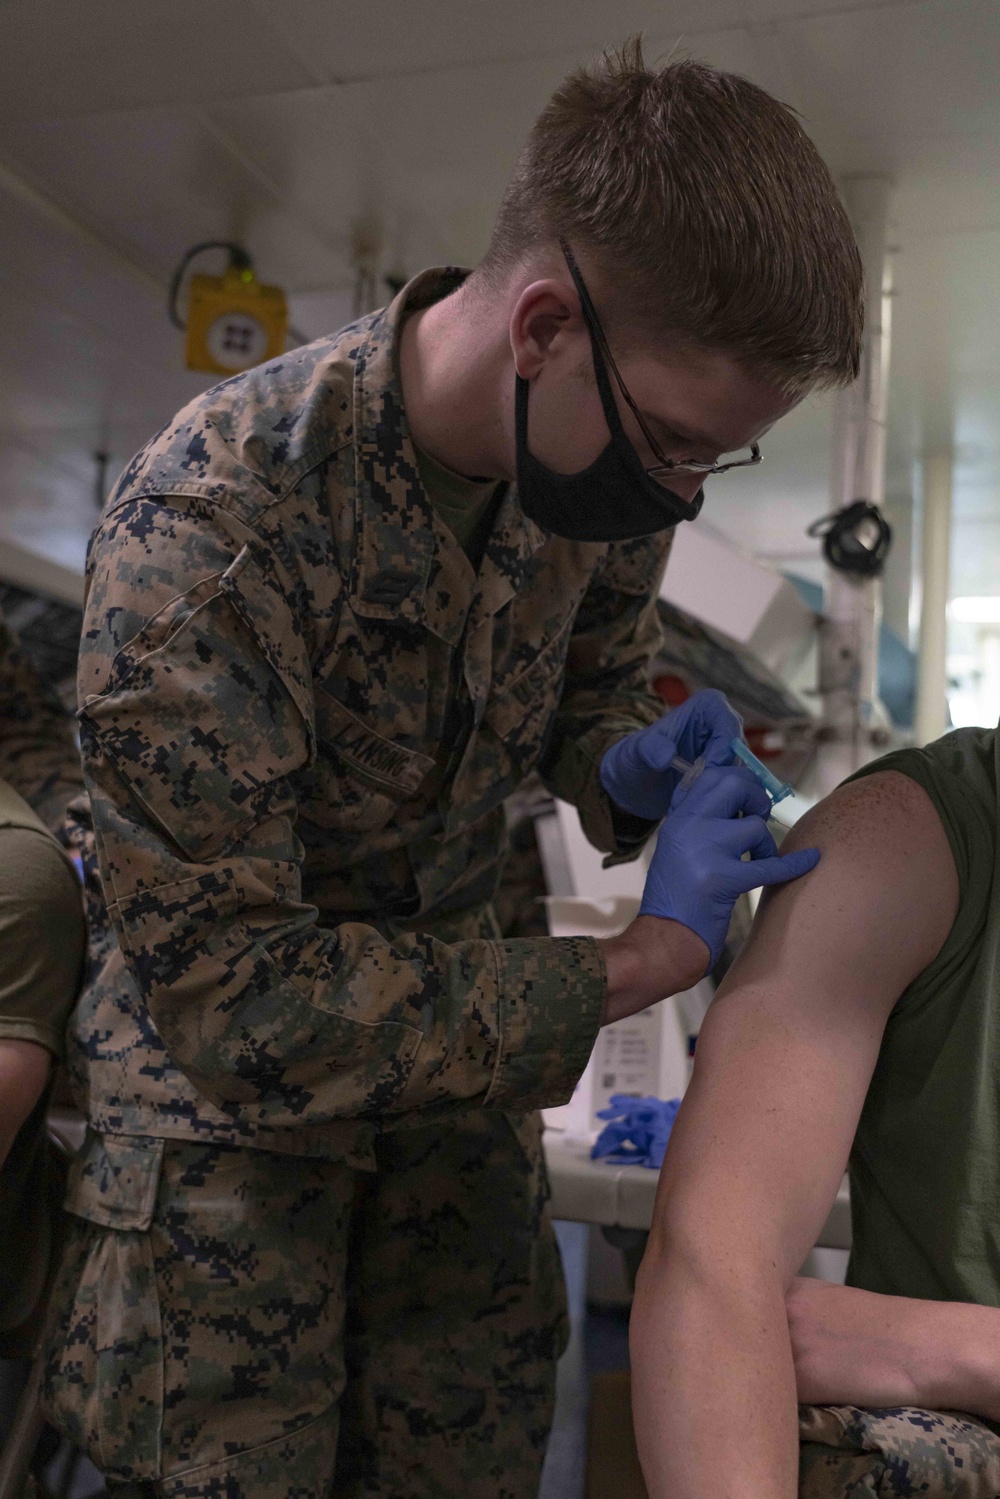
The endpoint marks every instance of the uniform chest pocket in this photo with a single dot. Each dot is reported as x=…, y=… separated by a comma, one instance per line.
x=361, y=776
x=521, y=716
x=515, y=730
x=523, y=708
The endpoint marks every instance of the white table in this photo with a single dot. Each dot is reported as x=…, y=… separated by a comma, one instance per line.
x=587, y=1191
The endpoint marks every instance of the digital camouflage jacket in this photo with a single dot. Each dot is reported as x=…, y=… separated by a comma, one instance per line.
x=301, y=713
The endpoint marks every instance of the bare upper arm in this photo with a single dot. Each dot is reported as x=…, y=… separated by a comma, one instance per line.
x=788, y=1047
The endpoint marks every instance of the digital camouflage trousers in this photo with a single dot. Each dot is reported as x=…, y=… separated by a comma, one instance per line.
x=848, y=1453
x=235, y=1324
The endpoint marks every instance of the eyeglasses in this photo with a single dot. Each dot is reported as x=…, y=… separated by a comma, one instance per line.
x=665, y=467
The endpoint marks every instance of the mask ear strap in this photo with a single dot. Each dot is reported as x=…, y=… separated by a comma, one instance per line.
x=611, y=413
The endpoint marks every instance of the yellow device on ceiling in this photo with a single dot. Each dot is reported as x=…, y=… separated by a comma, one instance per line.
x=234, y=321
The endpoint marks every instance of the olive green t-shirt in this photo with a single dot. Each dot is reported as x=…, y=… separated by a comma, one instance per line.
x=468, y=507
x=925, y=1168
x=42, y=929
x=42, y=936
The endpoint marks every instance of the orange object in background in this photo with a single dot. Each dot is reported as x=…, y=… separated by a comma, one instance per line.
x=673, y=690
x=766, y=742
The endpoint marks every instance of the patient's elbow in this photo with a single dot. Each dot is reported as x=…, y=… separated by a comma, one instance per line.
x=712, y=1265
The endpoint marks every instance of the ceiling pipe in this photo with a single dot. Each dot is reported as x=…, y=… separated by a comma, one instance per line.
x=935, y=579
x=858, y=468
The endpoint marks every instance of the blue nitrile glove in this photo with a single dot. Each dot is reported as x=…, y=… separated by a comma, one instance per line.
x=640, y=1131
x=697, y=871
x=636, y=772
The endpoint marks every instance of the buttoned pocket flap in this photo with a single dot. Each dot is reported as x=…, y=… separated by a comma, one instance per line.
x=114, y=1180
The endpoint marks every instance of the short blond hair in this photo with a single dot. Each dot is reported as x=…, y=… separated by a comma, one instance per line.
x=705, y=206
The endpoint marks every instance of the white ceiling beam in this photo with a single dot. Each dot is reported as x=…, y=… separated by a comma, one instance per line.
x=27, y=569
x=18, y=186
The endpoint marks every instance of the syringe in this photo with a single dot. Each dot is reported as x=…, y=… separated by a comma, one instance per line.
x=776, y=790
x=689, y=772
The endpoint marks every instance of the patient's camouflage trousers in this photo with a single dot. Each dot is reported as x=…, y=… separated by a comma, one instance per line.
x=234, y=1324
x=847, y=1453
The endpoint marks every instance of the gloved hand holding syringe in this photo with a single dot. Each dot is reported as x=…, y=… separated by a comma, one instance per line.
x=713, y=843
x=776, y=790
x=641, y=772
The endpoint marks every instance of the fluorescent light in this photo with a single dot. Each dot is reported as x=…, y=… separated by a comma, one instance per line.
x=975, y=611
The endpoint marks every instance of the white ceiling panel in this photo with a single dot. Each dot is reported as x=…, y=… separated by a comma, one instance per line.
x=881, y=82
x=68, y=292
x=156, y=125
x=158, y=181
x=58, y=366
x=344, y=42
x=66, y=59
x=88, y=363
x=323, y=154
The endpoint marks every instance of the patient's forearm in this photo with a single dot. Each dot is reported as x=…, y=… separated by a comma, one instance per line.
x=713, y=1387
x=857, y=1348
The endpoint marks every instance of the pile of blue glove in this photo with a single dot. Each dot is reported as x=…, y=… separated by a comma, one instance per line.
x=640, y=1131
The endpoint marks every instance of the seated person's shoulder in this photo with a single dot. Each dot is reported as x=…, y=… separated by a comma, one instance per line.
x=883, y=897
x=42, y=929
x=857, y=813
x=34, y=867
x=909, y=849
x=958, y=773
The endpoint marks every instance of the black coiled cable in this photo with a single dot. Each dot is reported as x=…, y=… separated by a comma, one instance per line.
x=856, y=539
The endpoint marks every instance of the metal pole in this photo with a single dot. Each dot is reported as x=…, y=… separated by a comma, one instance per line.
x=854, y=724
x=935, y=570
x=860, y=417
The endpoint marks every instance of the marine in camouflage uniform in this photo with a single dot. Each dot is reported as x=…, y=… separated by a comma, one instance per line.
x=311, y=1251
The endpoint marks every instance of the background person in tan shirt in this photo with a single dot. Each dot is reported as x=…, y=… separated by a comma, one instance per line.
x=42, y=938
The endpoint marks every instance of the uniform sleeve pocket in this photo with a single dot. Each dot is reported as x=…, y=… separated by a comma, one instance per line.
x=202, y=729
x=160, y=627
x=114, y=1180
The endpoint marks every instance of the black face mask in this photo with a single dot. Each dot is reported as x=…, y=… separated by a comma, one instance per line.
x=612, y=500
